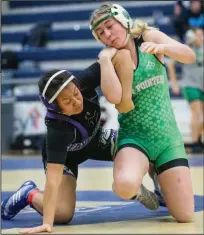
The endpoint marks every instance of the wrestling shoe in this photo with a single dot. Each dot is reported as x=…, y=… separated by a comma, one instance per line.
x=12, y=205
x=147, y=198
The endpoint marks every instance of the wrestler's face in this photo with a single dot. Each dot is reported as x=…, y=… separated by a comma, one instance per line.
x=111, y=32
x=70, y=100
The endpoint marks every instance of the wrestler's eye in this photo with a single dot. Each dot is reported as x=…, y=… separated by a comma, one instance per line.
x=109, y=26
x=101, y=33
x=68, y=101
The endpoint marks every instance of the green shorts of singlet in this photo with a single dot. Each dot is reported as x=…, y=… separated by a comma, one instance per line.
x=171, y=157
x=192, y=94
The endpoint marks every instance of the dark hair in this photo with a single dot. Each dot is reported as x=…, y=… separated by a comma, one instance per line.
x=55, y=84
x=53, y=87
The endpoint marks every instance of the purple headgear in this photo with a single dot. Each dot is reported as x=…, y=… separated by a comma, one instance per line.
x=49, y=103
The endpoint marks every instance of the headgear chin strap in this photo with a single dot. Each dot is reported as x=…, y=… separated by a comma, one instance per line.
x=121, y=15
x=48, y=103
x=48, y=106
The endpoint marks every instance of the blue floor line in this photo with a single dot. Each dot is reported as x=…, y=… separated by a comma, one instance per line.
x=36, y=163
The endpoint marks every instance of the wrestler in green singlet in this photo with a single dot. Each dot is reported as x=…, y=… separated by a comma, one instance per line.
x=151, y=127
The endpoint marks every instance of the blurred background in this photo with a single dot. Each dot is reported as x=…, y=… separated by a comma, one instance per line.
x=41, y=35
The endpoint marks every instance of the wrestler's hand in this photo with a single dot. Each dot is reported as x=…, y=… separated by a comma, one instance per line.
x=40, y=229
x=108, y=52
x=125, y=106
x=152, y=48
x=175, y=88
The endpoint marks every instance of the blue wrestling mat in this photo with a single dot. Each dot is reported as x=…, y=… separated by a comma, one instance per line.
x=18, y=163
x=127, y=210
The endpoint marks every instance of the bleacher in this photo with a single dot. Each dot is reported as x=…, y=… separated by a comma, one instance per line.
x=70, y=42
x=70, y=46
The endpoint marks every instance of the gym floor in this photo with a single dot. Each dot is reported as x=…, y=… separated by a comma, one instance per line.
x=98, y=209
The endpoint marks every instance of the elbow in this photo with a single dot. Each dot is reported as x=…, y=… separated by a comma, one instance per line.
x=191, y=57
x=52, y=183
x=113, y=97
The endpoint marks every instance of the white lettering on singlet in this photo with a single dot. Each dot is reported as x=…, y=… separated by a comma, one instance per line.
x=78, y=146
x=150, y=82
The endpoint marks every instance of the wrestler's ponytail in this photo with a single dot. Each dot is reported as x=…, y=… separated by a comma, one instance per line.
x=139, y=27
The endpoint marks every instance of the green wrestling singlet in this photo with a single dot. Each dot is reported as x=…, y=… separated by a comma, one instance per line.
x=151, y=126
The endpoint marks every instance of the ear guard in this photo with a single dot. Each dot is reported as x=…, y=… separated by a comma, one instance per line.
x=51, y=106
x=120, y=14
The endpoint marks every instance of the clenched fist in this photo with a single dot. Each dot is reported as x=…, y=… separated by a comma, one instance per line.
x=125, y=106
x=152, y=48
x=108, y=52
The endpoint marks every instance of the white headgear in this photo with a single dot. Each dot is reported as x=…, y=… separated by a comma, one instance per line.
x=60, y=88
x=120, y=14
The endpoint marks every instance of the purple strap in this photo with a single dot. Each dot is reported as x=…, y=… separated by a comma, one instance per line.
x=83, y=131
